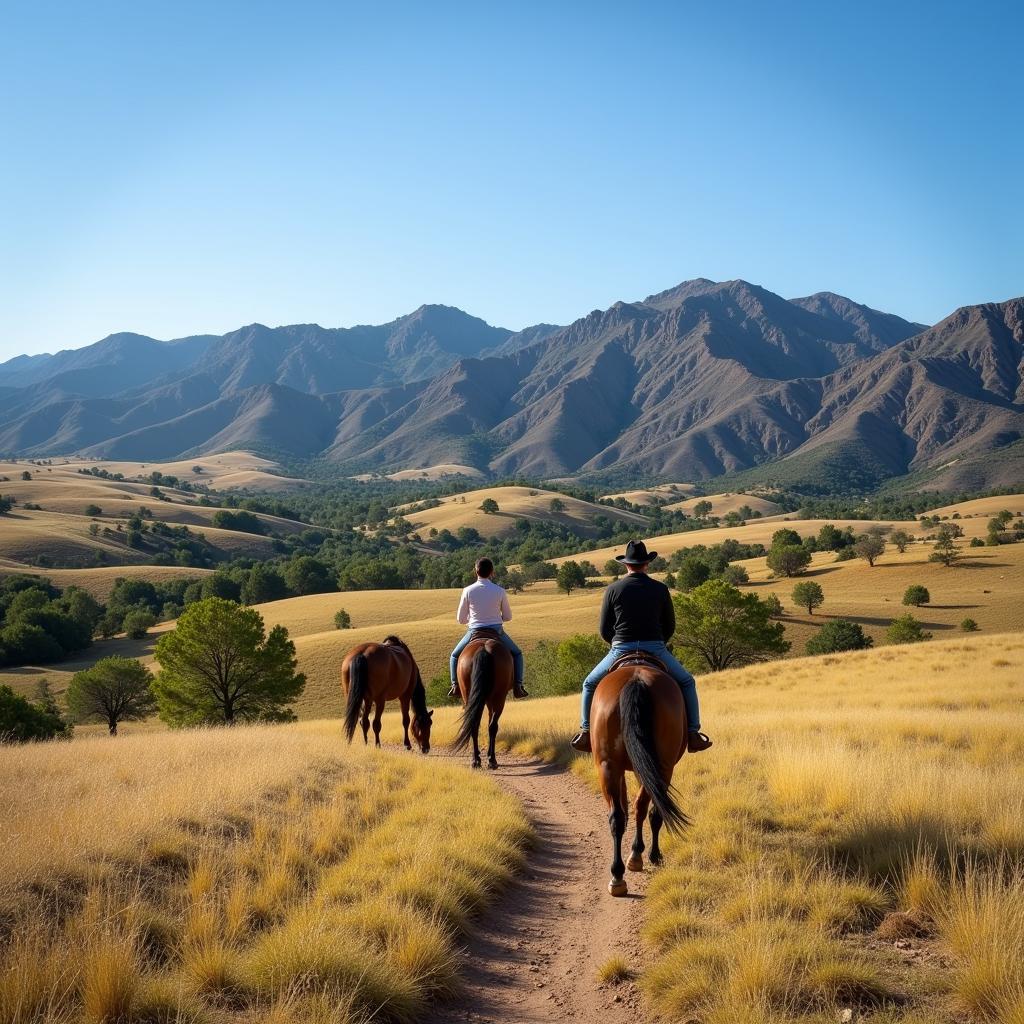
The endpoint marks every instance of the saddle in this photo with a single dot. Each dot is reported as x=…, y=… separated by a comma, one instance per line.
x=638, y=658
x=484, y=633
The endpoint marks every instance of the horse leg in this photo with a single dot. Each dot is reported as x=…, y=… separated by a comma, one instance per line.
x=376, y=722
x=476, y=751
x=365, y=722
x=643, y=803
x=492, y=733
x=656, y=823
x=405, y=723
x=617, y=824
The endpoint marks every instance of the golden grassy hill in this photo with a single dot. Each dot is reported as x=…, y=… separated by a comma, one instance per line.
x=721, y=504
x=986, y=507
x=514, y=503
x=100, y=581
x=426, y=473
x=658, y=495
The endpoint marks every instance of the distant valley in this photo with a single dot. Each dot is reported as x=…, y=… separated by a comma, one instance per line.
x=705, y=379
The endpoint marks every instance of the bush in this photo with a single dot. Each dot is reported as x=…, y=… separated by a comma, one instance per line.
x=968, y=625
x=93, y=510
x=906, y=630
x=774, y=605
x=915, y=595
x=342, y=619
x=22, y=720
x=977, y=542
x=734, y=574
x=138, y=622
x=557, y=669
x=838, y=635
x=243, y=521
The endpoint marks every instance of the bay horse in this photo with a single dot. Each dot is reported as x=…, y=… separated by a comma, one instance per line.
x=373, y=674
x=485, y=676
x=638, y=724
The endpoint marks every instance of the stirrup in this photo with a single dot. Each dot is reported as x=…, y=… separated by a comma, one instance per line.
x=696, y=741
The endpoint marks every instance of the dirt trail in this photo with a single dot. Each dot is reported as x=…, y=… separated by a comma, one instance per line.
x=534, y=956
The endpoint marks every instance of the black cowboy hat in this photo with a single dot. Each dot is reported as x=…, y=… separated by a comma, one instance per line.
x=637, y=554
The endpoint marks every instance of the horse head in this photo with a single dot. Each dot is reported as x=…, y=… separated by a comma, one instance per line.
x=420, y=728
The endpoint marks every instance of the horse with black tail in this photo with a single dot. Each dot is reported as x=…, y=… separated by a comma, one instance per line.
x=372, y=674
x=638, y=724
x=485, y=676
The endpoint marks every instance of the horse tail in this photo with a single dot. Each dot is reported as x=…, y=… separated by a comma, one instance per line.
x=636, y=709
x=358, y=683
x=480, y=685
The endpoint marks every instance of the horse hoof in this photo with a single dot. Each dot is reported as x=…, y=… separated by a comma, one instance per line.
x=617, y=887
x=492, y=764
x=635, y=863
x=656, y=860
x=477, y=764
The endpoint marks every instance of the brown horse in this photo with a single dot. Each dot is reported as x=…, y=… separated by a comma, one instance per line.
x=638, y=724
x=485, y=676
x=376, y=673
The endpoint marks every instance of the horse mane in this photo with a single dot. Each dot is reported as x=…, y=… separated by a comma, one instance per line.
x=394, y=641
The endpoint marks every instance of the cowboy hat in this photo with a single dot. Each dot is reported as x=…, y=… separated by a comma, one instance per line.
x=637, y=554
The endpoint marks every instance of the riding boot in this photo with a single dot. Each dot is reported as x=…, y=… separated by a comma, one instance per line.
x=454, y=691
x=697, y=741
x=519, y=691
x=581, y=741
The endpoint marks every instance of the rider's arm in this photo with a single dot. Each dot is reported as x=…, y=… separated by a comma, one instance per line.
x=462, y=615
x=506, y=609
x=668, y=617
x=607, y=627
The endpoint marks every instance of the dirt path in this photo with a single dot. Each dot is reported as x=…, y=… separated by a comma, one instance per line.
x=535, y=955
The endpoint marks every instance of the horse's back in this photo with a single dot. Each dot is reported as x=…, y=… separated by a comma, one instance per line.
x=503, y=668
x=391, y=668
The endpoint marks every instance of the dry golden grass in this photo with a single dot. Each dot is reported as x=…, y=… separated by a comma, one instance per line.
x=723, y=503
x=839, y=789
x=426, y=473
x=100, y=581
x=514, y=503
x=262, y=873
x=653, y=495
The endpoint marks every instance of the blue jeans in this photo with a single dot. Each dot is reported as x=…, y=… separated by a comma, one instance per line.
x=663, y=654
x=513, y=649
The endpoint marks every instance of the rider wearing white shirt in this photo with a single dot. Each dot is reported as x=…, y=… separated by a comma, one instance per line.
x=484, y=605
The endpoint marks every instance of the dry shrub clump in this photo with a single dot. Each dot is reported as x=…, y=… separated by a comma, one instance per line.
x=305, y=882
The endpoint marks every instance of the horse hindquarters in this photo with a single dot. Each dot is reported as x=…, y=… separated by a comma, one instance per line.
x=480, y=686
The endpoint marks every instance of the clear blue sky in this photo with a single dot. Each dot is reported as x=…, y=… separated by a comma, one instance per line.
x=171, y=167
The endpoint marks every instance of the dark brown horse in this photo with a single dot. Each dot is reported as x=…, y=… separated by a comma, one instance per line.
x=485, y=677
x=638, y=724
x=373, y=674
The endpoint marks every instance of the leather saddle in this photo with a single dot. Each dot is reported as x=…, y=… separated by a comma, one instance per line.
x=638, y=658
x=484, y=634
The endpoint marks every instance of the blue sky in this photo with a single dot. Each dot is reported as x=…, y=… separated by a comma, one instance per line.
x=174, y=167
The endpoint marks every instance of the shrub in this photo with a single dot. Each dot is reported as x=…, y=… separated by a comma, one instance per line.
x=489, y=506
x=342, y=619
x=915, y=595
x=22, y=720
x=788, y=559
x=93, y=510
x=774, y=605
x=906, y=630
x=137, y=623
x=968, y=625
x=977, y=542
x=734, y=574
x=839, y=635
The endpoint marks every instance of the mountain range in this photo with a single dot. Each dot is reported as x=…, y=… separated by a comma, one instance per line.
x=700, y=380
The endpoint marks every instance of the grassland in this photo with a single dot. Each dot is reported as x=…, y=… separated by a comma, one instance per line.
x=658, y=495
x=722, y=504
x=514, y=503
x=262, y=873
x=426, y=473
x=858, y=839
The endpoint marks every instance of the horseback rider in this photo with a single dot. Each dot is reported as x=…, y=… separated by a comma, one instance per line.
x=484, y=605
x=637, y=615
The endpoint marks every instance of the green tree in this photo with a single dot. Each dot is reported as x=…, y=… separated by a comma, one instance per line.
x=22, y=720
x=901, y=539
x=220, y=666
x=570, y=576
x=945, y=550
x=692, y=572
x=838, y=635
x=734, y=574
x=869, y=546
x=614, y=568
x=720, y=628
x=220, y=584
x=809, y=595
x=138, y=622
x=489, y=506
x=788, y=559
x=785, y=537
x=702, y=509
x=308, y=575
x=915, y=595
x=342, y=619
x=557, y=505
x=263, y=584
x=830, y=538
x=557, y=669
x=774, y=605
x=93, y=510
x=906, y=630
x=114, y=690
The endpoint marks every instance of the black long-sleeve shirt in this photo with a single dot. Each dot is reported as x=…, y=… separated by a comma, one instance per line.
x=637, y=608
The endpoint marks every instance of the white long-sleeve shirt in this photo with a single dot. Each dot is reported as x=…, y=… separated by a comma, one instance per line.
x=483, y=604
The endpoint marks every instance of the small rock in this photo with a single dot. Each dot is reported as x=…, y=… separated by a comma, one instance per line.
x=846, y=1016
